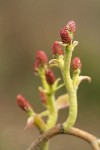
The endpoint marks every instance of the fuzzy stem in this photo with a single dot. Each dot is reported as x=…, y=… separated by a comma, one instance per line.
x=76, y=74
x=53, y=112
x=43, y=78
x=51, y=105
x=72, y=93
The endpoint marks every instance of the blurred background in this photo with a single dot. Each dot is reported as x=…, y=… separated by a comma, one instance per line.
x=25, y=27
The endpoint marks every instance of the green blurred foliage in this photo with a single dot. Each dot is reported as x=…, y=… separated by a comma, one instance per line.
x=25, y=27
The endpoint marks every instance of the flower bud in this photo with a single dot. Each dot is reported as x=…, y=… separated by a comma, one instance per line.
x=76, y=63
x=23, y=103
x=65, y=36
x=41, y=60
x=71, y=26
x=56, y=48
x=50, y=77
x=41, y=57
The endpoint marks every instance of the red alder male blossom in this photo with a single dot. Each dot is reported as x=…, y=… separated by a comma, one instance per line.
x=50, y=77
x=42, y=57
x=41, y=60
x=71, y=26
x=56, y=48
x=23, y=103
x=65, y=36
x=76, y=63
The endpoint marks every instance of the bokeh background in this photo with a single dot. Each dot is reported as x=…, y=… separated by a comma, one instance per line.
x=25, y=27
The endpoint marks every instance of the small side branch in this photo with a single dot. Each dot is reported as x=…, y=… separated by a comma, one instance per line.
x=91, y=139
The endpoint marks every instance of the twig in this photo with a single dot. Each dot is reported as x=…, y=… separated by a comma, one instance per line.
x=91, y=139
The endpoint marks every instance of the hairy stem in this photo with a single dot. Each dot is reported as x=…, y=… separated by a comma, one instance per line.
x=53, y=112
x=43, y=78
x=72, y=93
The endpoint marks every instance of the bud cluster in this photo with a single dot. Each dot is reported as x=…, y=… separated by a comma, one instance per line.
x=62, y=52
x=66, y=33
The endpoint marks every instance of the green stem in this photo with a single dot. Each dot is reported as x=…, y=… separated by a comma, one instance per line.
x=60, y=86
x=72, y=93
x=51, y=104
x=45, y=146
x=44, y=113
x=40, y=124
x=53, y=112
x=43, y=78
x=76, y=74
x=38, y=121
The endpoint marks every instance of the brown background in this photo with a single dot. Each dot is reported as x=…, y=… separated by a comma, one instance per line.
x=25, y=27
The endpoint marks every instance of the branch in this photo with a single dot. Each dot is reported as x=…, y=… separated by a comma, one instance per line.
x=58, y=129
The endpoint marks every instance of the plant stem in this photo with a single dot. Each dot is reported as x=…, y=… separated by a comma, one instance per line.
x=91, y=139
x=45, y=146
x=43, y=78
x=53, y=112
x=51, y=104
x=72, y=93
x=76, y=74
x=40, y=124
x=44, y=113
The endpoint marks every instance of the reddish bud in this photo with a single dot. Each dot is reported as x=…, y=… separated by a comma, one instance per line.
x=76, y=63
x=23, y=103
x=71, y=26
x=56, y=48
x=41, y=60
x=43, y=97
x=41, y=57
x=65, y=36
x=50, y=77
